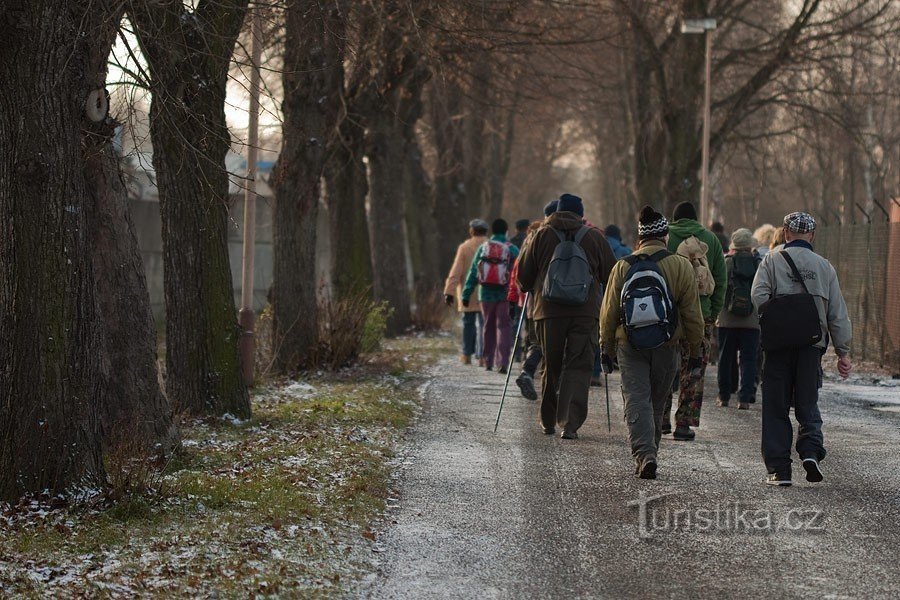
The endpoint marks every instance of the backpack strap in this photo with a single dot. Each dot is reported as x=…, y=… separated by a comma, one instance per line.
x=659, y=255
x=559, y=234
x=790, y=262
x=581, y=233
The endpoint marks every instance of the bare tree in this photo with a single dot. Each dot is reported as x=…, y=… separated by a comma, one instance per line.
x=188, y=51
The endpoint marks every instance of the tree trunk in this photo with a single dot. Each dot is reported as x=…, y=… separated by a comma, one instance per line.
x=450, y=204
x=420, y=224
x=346, y=188
x=188, y=53
x=385, y=151
x=51, y=376
x=313, y=83
x=134, y=406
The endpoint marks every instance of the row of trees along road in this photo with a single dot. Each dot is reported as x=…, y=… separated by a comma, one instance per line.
x=408, y=118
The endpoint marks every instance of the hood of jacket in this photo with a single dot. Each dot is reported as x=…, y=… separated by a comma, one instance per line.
x=565, y=221
x=686, y=227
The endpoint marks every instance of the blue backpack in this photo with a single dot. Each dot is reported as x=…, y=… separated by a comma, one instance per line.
x=648, y=310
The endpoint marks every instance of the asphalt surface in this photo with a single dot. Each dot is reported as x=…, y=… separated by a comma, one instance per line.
x=518, y=514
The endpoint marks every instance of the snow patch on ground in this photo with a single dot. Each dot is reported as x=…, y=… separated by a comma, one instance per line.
x=885, y=391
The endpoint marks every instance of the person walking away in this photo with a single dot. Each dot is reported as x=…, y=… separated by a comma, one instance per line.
x=515, y=309
x=471, y=314
x=490, y=272
x=614, y=237
x=651, y=306
x=690, y=389
x=565, y=266
x=532, y=349
x=764, y=235
x=738, y=324
x=518, y=240
x=719, y=230
x=801, y=307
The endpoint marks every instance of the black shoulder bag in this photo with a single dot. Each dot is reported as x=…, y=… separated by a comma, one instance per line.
x=791, y=321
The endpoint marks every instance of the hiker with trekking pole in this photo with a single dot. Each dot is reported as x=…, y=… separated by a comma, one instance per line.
x=564, y=267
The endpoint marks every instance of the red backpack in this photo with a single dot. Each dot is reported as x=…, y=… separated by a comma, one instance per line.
x=493, y=266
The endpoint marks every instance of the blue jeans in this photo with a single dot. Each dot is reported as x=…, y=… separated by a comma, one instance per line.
x=473, y=324
x=731, y=342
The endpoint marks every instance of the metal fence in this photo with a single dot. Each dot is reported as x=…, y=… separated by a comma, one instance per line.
x=867, y=260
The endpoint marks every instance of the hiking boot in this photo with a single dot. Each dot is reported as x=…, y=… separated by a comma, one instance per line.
x=568, y=435
x=666, y=427
x=465, y=359
x=502, y=370
x=777, y=479
x=489, y=368
x=648, y=469
x=743, y=406
x=813, y=472
x=526, y=386
x=548, y=430
x=481, y=362
x=596, y=381
x=683, y=433
x=720, y=401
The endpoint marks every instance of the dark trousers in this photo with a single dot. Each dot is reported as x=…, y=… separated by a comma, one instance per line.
x=472, y=327
x=568, y=345
x=791, y=377
x=734, y=341
x=533, y=353
x=647, y=377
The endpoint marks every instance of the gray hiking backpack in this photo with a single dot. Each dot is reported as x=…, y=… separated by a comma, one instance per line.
x=569, y=276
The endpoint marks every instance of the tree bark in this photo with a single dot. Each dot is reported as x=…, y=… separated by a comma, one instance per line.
x=188, y=53
x=51, y=376
x=385, y=151
x=450, y=204
x=134, y=411
x=313, y=82
x=346, y=188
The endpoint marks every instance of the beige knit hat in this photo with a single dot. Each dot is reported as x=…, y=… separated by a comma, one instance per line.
x=742, y=239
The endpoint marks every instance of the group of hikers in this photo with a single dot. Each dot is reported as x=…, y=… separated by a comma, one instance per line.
x=760, y=305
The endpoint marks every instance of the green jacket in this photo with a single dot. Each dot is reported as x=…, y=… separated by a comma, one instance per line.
x=682, y=229
x=488, y=293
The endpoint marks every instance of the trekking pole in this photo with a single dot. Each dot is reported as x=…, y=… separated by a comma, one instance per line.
x=606, y=385
x=512, y=357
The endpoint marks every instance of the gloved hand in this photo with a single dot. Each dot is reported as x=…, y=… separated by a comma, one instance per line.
x=606, y=363
x=449, y=300
x=695, y=366
x=465, y=302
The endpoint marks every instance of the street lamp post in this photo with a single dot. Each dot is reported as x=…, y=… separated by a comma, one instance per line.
x=247, y=317
x=704, y=26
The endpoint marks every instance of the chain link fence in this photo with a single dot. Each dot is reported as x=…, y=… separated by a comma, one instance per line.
x=867, y=260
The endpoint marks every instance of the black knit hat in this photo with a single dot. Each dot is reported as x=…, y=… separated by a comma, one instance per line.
x=499, y=226
x=651, y=224
x=613, y=231
x=522, y=224
x=685, y=210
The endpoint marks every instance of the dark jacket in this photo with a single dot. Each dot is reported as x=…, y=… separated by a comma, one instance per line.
x=535, y=261
x=682, y=229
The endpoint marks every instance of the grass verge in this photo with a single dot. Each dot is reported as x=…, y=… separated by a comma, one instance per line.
x=280, y=505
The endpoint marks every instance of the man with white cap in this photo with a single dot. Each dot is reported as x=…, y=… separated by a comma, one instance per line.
x=801, y=306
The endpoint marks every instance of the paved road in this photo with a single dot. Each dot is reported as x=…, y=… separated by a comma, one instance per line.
x=517, y=514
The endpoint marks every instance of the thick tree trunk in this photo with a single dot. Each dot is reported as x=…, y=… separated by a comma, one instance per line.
x=51, y=375
x=420, y=224
x=134, y=406
x=385, y=151
x=450, y=204
x=188, y=54
x=313, y=83
x=346, y=187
